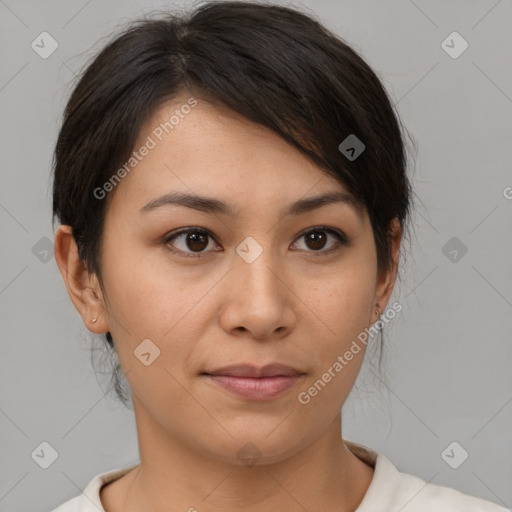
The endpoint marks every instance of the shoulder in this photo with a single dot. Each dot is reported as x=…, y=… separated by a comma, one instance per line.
x=419, y=496
x=89, y=500
x=394, y=491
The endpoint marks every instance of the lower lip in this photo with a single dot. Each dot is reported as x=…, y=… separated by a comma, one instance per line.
x=250, y=388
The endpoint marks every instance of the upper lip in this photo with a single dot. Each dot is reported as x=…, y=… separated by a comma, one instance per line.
x=247, y=370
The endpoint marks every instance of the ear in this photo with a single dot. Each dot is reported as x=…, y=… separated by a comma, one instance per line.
x=83, y=287
x=386, y=278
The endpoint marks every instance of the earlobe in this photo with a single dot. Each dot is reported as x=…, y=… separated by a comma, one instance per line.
x=83, y=287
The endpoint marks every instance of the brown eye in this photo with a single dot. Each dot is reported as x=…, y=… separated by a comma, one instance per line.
x=189, y=241
x=318, y=238
x=196, y=241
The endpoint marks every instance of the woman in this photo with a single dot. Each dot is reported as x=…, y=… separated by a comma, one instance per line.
x=232, y=193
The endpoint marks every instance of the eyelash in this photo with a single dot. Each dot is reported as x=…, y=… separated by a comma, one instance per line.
x=343, y=240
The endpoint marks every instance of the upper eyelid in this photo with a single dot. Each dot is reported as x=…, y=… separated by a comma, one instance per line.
x=183, y=231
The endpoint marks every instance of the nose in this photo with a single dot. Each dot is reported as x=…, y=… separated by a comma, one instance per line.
x=258, y=302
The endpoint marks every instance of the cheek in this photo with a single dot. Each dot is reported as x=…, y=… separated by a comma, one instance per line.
x=342, y=308
x=343, y=304
x=339, y=351
x=168, y=308
x=141, y=292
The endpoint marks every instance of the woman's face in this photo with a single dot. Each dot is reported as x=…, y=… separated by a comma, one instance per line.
x=261, y=283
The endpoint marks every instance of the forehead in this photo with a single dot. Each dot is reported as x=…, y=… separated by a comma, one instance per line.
x=209, y=150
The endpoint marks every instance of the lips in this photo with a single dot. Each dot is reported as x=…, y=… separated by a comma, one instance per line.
x=256, y=383
x=245, y=370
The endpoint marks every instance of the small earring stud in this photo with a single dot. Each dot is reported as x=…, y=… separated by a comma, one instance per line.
x=94, y=320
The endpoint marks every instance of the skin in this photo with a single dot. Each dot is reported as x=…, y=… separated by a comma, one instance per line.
x=292, y=305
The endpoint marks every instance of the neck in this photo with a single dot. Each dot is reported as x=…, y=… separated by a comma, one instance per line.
x=325, y=475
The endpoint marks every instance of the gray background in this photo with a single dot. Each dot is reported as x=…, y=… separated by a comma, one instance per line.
x=448, y=353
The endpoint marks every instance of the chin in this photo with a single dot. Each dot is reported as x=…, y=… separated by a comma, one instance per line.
x=256, y=446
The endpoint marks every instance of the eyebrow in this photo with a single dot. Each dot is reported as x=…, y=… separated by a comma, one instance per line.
x=212, y=205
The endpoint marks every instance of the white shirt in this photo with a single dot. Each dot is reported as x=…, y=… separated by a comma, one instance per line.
x=390, y=491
